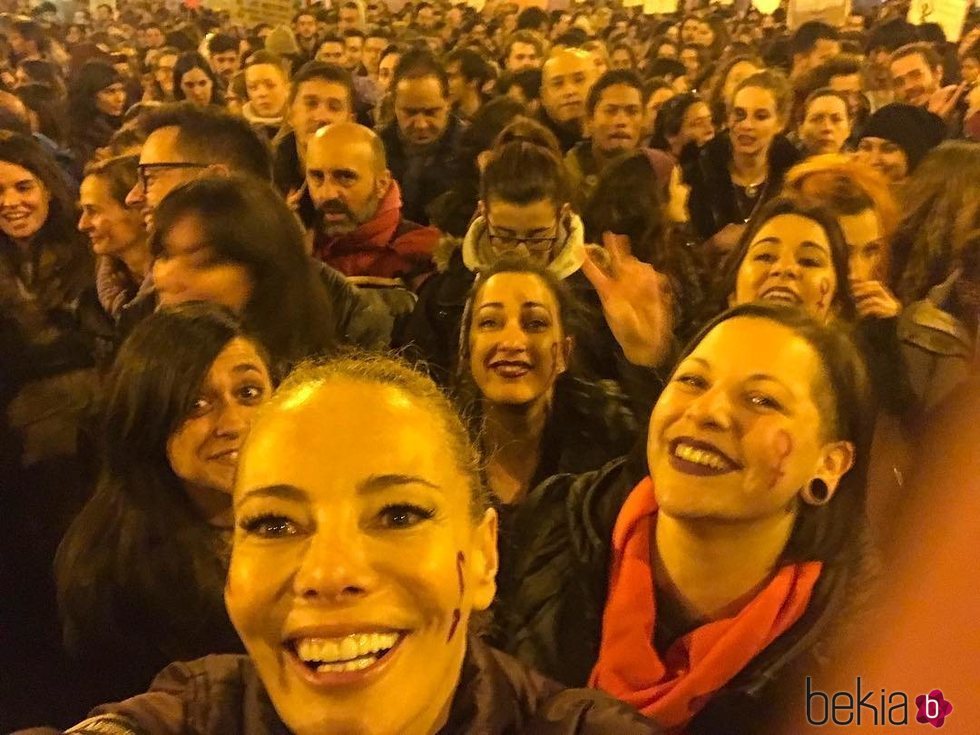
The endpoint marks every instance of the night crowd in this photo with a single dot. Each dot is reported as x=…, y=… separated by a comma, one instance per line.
x=443, y=370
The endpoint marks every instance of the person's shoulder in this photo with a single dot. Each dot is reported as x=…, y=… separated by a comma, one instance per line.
x=181, y=695
x=551, y=709
x=588, y=712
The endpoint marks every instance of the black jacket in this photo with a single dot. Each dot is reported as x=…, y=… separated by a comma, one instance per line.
x=554, y=620
x=568, y=134
x=496, y=695
x=713, y=202
x=425, y=176
x=288, y=175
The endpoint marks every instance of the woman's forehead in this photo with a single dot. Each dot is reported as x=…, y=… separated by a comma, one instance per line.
x=340, y=431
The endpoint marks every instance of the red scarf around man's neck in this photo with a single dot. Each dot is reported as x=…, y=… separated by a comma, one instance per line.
x=673, y=690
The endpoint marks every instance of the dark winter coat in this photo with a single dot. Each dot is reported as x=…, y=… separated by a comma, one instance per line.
x=496, y=695
x=553, y=621
x=713, y=202
x=424, y=176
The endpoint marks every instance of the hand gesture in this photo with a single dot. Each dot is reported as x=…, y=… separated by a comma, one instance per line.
x=943, y=101
x=294, y=197
x=636, y=300
x=874, y=300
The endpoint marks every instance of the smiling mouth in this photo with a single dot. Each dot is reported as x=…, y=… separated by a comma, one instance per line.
x=229, y=456
x=782, y=295
x=511, y=369
x=345, y=659
x=694, y=457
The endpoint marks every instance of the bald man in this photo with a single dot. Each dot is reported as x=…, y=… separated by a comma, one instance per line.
x=566, y=78
x=360, y=230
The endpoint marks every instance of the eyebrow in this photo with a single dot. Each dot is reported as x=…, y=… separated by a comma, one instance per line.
x=525, y=305
x=768, y=378
x=283, y=492
x=375, y=483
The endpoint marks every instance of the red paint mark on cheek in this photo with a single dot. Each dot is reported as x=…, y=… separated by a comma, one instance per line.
x=458, y=613
x=824, y=291
x=782, y=448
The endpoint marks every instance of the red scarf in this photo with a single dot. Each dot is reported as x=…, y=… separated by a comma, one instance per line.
x=370, y=250
x=673, y=690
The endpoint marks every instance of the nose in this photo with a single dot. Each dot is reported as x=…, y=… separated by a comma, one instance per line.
x=85, y=222
x=323, y=192
x=711, y=410
x=786, y=265
x=512, y=337
x=233, y=419
x=336, y=564
x=10, y=197
x=135, y=198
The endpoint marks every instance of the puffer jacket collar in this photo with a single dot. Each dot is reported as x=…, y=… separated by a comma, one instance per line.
x=478, y=256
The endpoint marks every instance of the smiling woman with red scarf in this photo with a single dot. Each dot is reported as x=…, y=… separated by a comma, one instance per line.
x=692, y=589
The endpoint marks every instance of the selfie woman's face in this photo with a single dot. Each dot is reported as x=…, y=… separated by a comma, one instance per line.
x=203, y=450
x=516, y=345
x=789, y=261
x=355, y=570
x=187, y=270
x=737, y=433
x=24, y=202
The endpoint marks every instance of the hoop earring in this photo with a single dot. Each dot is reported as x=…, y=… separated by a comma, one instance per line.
x=816, y=492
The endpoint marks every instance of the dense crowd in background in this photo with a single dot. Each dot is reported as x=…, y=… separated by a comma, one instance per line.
x=454, y=370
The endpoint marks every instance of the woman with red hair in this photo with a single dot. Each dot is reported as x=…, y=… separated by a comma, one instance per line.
x=868, y=214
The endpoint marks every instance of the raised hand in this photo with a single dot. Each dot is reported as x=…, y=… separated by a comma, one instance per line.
x=874, y=300
x=943, y=101
x=636, y=300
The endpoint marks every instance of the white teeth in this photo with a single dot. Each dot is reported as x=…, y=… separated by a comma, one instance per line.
x=700, y=456
x=349, y=650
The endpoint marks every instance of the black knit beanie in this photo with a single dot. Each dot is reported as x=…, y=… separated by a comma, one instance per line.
x=914, y=129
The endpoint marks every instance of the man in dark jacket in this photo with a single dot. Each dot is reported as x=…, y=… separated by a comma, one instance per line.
x=360, y=229
x=421, y=143
x=566, y=80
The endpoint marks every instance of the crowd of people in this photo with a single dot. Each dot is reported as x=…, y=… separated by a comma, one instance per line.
x=455, y=370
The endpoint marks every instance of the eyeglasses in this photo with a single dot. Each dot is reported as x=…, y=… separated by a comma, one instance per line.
x=144, y=171
x=536, y=245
